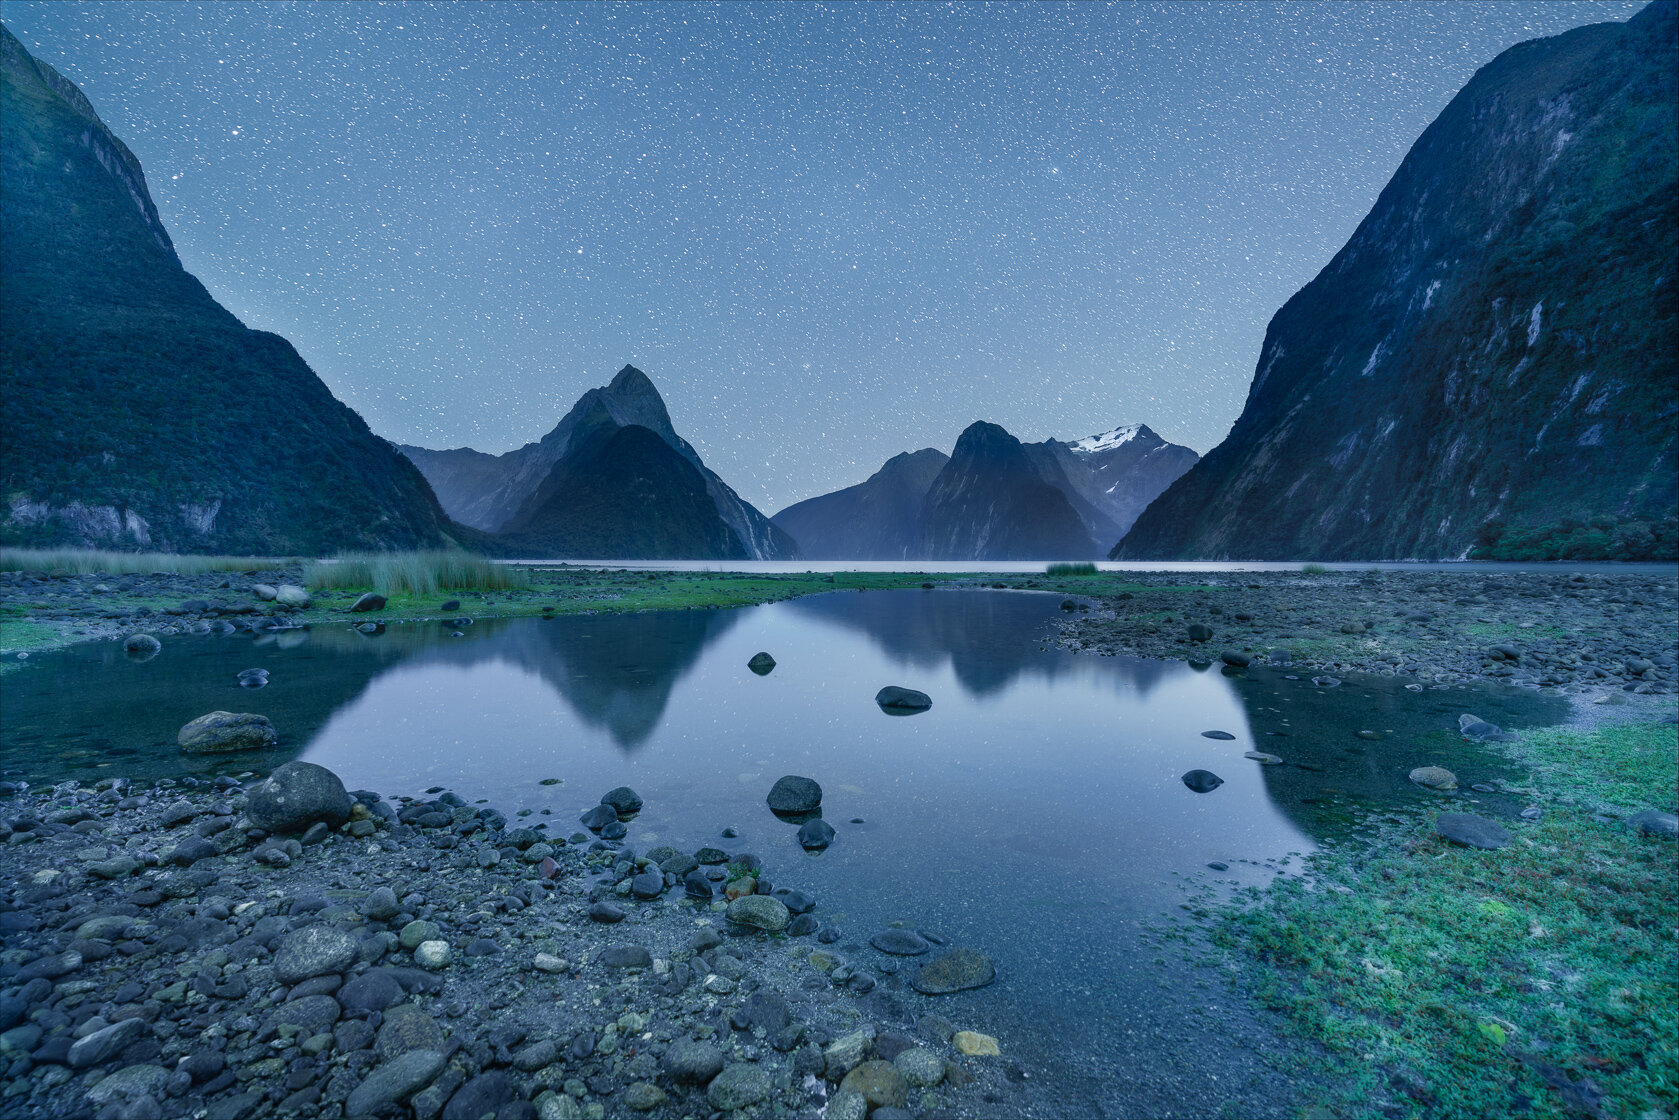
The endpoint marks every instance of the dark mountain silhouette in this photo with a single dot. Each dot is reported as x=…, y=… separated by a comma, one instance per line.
x=877, y=519
x=1494, y=349
x=499, y=493
x=140, y=412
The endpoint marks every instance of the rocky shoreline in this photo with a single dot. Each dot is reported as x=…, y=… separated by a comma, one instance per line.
x=165, y=956
x=1598, y=635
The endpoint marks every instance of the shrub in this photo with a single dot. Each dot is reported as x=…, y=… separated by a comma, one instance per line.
x=1314, y=569
x=1084, y=568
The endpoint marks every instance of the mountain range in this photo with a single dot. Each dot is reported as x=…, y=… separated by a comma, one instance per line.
x=1495, y=348
x=992, y=498
x=613, y=479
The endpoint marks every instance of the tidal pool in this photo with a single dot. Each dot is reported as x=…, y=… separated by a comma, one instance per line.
x=1037, y=812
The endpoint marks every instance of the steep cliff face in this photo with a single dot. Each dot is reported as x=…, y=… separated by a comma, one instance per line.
x=494, y=492
x=877, y=519
x=1112, y=477
x=140, y=412
x=991, y=503
x=1497, y=342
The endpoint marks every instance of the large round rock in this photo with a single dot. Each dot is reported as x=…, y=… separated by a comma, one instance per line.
x=793, y=794
x=313, y=951
x=955, y=971
x=297, y=795
x=623, y=800
x=761, y=911
x=227, y=731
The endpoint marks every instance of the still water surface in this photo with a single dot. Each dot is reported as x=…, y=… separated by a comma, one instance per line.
x=1036, y=812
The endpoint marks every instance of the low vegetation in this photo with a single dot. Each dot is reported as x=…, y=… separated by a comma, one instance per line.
x=1603, y=537
x=1314, y=569
x=89, y=561
x=415, y=573
x=1535, y=980
x=1081, y=569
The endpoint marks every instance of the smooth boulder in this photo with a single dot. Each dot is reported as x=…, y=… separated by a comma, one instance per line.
x=761, y=664
x=214, y=732
x=793, y=794
x=368, y=602
x=816, y=835
x=759, y=911
x=955, y=971
x=295, y=796
x=902, y=701
x=1202, y=781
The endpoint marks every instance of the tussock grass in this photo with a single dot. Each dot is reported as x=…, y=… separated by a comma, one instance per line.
x=87, y=561
x=1314, y=569
x=1080, y=569
x=414, y=573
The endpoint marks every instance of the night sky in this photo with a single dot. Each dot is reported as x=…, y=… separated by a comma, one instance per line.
x=830, y=233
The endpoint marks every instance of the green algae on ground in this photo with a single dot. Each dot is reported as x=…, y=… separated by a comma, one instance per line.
x=1540, y=979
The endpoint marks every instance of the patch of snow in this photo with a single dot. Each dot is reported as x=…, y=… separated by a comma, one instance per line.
x=1428, y=296
x=1375, y=356
x=1591, y=437
x=1597, y=402
x=1533, y=320
x=1106, y=441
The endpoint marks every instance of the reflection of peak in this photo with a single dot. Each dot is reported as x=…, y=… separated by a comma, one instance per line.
x=614, y=670
x=989, y=638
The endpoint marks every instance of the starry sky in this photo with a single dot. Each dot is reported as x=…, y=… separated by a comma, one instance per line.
x=828, y=232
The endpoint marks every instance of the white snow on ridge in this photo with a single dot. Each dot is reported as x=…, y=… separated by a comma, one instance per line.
x=1107, y=441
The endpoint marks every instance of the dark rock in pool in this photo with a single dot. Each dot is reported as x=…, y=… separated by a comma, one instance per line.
x=793, y=794
x=214, y=732
x=1202, y=781
x=900, y=942
x=253, y=678
x=295, y=796
x=624, y=801
x=902, y=701
x=1235, y=659
x=1200, y=632
x=955, y=971
x=614, y=831
x=797, y=902
x=606, y=913
x=1477, y=730
x=141, y=646
x=1471, y=831
x=761, y=664
x=1654, y=823
x=815, y=835
x=626, y=956
x=599, y=817
x=1327, y=682
x=1217, y=735
x=368, y=602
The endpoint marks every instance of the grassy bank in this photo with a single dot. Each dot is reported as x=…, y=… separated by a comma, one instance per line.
x=1541, y=979
x=415, y=573
x=91, y=561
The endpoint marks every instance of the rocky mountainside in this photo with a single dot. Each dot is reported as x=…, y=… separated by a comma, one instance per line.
x=140, y=412
x=1496, y=345
x=500, y=493
x=1106, y=480
x=877, y=519
x=990, y=502
x=1113, y=476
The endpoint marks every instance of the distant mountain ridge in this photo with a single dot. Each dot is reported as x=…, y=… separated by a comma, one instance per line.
x=580, y=489
x=994, y=498
x=1495, y=346
x=142, y=413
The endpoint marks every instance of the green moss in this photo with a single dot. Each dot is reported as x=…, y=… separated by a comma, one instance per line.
x=1444, y=981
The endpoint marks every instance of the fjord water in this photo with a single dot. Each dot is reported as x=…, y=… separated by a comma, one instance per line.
x=1036, y=812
